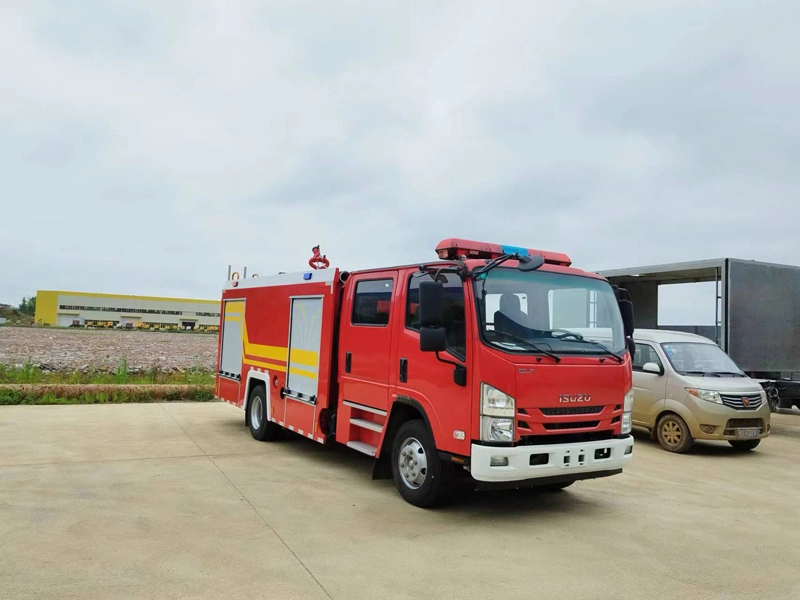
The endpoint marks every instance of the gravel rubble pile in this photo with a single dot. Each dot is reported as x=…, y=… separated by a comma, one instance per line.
x=104, y=350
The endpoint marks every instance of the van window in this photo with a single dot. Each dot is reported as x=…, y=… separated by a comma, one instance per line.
x=373, y=302
x=645, y=354
x=454, y=316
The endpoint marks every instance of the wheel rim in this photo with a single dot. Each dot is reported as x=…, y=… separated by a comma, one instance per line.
x=672, y=433
x=412, y=462
x=255, y=412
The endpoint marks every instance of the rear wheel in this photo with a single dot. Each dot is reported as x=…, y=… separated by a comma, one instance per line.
x=261, y=428
x=419, y=475
x=744, y=445
x=673, y=434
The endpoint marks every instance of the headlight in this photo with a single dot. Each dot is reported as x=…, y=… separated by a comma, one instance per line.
x=497, y=430
x=627, y=407
x=495, y=403
x=627, y=404
x=626, y=423
x=708, y=395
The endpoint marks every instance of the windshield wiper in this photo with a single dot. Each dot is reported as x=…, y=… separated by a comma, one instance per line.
x=703, y=373
x=579, y=338
x=528, y=343
x=734, y=373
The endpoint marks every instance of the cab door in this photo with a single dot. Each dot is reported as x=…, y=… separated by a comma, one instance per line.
x=423, y=380
x=365, y=343
x=649, y=389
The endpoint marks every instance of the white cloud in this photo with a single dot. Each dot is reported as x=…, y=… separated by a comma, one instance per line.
x=145, y=146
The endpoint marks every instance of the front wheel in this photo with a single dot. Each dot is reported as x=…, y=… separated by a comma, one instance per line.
x=419, y=475
x=744, y=445
x=673, y=434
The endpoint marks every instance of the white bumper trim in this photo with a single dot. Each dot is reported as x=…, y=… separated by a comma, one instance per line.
x=563, y=459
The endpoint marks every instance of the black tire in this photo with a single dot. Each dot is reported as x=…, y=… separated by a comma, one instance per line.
x=673, y=434
x=744, y=445
x=434, y=479
x=261, y=428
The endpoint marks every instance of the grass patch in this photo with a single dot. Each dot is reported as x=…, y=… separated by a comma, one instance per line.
x=77, y=394
x=29, y=374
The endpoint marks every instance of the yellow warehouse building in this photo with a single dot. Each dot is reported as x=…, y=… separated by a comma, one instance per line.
x=88, y=309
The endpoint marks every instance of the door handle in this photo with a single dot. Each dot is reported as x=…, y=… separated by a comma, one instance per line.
x=348, y=362
x=403, y=370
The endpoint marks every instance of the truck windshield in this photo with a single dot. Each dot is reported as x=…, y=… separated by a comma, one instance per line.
x=689, y=358
x=542, y=312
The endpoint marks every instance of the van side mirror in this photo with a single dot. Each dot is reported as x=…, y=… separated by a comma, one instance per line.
x=431, y=303
x=626, y=310
x=652, y=367
x=432, y=339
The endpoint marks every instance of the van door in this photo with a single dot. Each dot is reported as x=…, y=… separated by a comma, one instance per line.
x=366, y=339
x=649, y=389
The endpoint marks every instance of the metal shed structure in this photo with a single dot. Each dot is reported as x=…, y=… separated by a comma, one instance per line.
x=757, y=308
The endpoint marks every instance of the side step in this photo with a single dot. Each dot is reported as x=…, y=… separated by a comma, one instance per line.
x=367, y=449
x=367, y=425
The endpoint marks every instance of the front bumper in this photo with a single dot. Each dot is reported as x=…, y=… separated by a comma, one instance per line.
x=561, y=460
x=723, y=419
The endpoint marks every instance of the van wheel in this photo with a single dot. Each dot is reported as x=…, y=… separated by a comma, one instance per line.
x=419, y=475
x=261, y=428
x=744, y=445
x=673, y=434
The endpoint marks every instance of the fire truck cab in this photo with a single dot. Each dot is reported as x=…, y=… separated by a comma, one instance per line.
x=493, y=366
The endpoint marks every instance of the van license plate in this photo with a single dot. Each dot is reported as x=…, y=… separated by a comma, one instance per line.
x=748, y=432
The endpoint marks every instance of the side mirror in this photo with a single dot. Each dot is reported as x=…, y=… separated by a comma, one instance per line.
x=626, y=310
x=431, y=304
x=652, y=367
x=530, y=263
x=432, y=339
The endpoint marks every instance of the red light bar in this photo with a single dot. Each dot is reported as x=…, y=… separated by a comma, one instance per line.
x=454, y=248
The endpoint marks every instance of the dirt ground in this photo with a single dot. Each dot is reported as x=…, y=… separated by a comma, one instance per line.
x=178, y=501
x=69, y=349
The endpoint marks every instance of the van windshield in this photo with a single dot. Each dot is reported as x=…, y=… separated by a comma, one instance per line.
x=543, y=312
x=692, y=358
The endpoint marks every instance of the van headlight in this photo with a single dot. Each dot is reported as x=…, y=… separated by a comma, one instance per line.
x=709, y=395
x=495, y=403
x=627, y=407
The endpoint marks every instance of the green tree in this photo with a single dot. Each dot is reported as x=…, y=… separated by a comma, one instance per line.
x=28, y=306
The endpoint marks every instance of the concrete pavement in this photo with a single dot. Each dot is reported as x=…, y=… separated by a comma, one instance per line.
x=178, y=501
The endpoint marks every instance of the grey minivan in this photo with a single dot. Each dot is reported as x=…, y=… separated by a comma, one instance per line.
x=685, y=388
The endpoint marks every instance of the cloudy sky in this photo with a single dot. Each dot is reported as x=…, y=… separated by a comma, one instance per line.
x=145, y=146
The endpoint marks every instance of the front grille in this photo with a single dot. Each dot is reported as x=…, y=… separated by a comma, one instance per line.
x=565, y=438
x=737, y=401
x=572, y=410
x=572, y=425
x=734, y=423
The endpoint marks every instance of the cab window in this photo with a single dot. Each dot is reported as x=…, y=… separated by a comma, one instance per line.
x=454, y=316
x=645, y=353
x=372, y=302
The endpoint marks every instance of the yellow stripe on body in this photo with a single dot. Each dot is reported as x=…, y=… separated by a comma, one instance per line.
x=307, y=358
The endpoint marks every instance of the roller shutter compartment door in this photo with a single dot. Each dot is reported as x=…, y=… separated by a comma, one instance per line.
x=230, y=364
x=304, y=341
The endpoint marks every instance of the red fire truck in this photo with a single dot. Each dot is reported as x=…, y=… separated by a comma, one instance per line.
x=494, y=366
